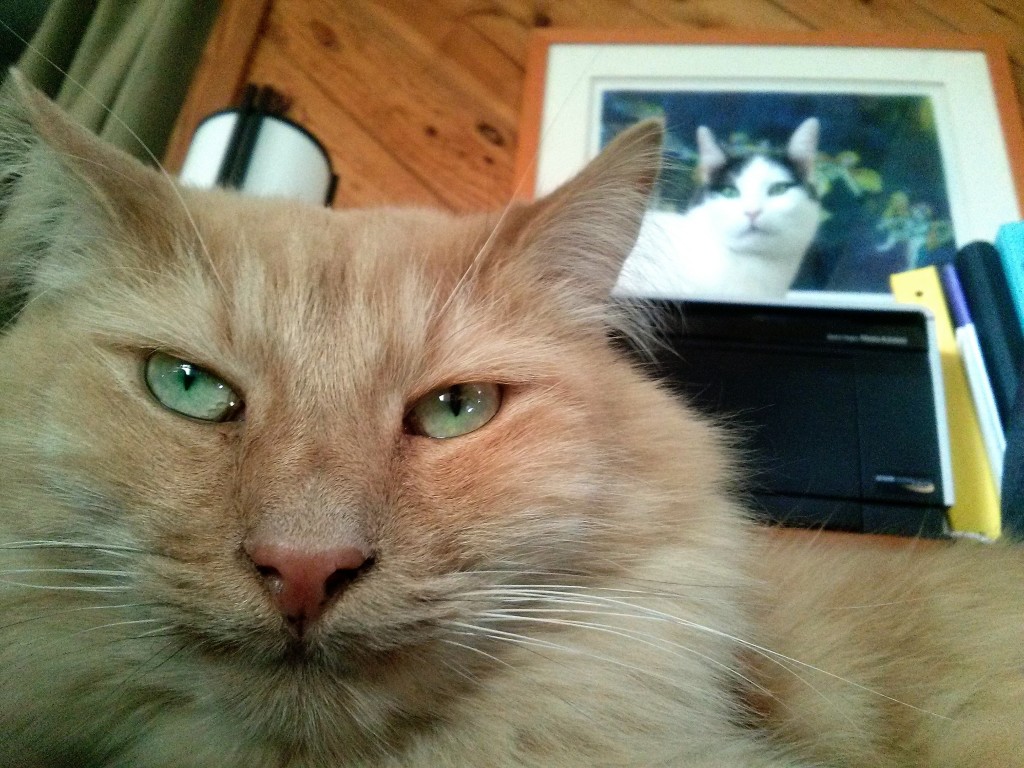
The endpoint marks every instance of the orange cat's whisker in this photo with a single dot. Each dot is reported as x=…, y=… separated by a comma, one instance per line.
x=527, y=641
x=62, y=587
x=106, y=549
x=474, y=649
x=78, y=609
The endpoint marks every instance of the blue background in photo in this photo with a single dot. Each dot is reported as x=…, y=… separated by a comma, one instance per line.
x=879, y=170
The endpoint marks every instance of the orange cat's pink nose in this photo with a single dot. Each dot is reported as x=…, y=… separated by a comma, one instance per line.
x=303, y=583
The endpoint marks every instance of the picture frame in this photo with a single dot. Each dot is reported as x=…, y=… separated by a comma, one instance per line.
x=924, y=131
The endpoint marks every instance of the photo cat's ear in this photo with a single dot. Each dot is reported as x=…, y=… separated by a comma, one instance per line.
x=61, y=188
x=803, y=146
x=580, y=234
x=711, y=156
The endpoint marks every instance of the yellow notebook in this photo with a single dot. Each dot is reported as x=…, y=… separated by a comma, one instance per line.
x=976, y=499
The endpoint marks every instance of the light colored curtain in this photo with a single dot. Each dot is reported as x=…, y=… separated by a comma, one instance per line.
x=120, y=67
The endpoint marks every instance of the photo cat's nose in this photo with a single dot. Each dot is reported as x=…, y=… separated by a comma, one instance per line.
x=303, y=583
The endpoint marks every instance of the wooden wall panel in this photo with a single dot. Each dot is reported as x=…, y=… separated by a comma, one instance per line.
x=876, y=16
x=436, y=120
x=418, y=101
x=1004, y=21
x=460, y=45
x=722, y=14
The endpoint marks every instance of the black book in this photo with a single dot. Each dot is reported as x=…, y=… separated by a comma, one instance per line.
x=1002, y=346
x=995, y=320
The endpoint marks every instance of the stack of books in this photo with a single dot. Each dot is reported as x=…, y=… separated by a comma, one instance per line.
x=978, y=303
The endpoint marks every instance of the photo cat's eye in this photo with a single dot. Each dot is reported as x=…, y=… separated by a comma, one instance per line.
x=781, y=187
x=455, y=410
x=727, y=190
x=190, y=390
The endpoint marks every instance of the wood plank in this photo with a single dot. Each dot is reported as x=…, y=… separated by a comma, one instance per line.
x=465, y=56
x=450, y=32
x=979, y=18
x=607, y=14
x=221, y=73
x=508, y=24
x=721, y=14
x=457, y=147
x=867, y=16
x=1010, y=9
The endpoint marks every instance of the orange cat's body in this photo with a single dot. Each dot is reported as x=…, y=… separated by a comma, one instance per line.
x=569, y=583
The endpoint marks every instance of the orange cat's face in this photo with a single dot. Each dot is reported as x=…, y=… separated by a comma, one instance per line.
x=252, y=441
x=330, y=345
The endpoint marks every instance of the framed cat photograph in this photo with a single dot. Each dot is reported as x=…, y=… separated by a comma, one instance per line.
x=804, y=165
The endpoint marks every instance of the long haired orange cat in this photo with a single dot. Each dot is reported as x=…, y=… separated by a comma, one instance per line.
x=281, y=486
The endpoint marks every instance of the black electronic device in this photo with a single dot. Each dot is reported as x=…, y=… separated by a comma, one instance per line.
x=841, y=410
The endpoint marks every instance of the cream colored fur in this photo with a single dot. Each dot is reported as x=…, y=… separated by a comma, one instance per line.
x=573, y=584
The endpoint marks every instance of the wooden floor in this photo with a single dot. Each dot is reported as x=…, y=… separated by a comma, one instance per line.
x=418, y=101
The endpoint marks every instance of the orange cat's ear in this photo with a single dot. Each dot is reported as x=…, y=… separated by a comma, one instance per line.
x=61, y=188
x=31, y=125
x=581, y=233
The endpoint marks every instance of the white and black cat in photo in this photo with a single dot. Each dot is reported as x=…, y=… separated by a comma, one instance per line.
x=746, y=232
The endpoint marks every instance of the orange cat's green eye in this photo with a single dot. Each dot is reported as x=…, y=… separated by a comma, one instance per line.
x=190, y=390
x=454, y=411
